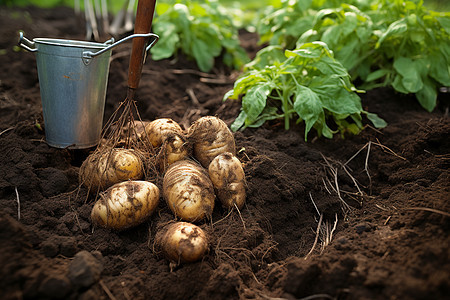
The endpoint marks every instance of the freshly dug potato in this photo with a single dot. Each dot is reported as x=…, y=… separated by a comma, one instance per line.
x=188, y=191
x=103, y=169
x=228, y=178
x=125, y=204
x=182, y=242
x=131, y=132
x=174, y=148
x=157, y=130
x=210, y=136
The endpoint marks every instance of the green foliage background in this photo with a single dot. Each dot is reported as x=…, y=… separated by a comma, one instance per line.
x=404, y=44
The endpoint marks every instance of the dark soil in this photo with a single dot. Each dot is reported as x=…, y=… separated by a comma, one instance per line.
x=391, y=243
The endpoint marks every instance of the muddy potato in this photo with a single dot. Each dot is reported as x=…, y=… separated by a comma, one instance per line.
x=182, y=242
x=188, y=191
x=228, y=178
x=102, y=169
x=125, y=205
x=157, y=130
x=174, y=148
x=210, y=136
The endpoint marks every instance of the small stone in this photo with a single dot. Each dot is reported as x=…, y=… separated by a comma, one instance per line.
x=85, y=269
x=363, y=227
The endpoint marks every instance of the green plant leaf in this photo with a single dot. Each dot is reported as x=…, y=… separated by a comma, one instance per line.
x=397, y=27
x=330, y=66
x=427, y=96
x=377, y=75
x=411, y=79
x=254, y=101
x=239, y=121
x=444, y=21
x=397, y=84
x=440, y=71
x=376, y=120
x=308, y=106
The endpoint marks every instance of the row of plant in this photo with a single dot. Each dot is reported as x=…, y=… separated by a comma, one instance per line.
x=318, y=50
x=381, y=42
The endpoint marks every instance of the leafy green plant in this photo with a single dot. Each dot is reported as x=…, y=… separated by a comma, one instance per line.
x=306, y=84
x=284, y=25
x=200, y=29
x=347, y=31
x=395, y=43
x=381, y=42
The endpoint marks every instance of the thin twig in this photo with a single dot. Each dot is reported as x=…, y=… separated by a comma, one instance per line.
x=356, y=154
x=6, y=130
x=193, y=72
x=353, y=179
x=380, y=207
x=18, y=203
x=312, y=200
x=366, y=168
x=107, y=291
x=216, y=80
x=334, y=227
x=326, y=187
x=430, y=210
x=317, y=237
x=273, y=246
x=78, y=222
x=240, y=216
x=389, y=150
x=191, y=94
x=218, y=221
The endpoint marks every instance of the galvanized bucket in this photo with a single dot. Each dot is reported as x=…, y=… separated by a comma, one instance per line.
x=73, y=78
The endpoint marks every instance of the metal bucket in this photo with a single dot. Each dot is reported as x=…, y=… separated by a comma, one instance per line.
x=73, y=77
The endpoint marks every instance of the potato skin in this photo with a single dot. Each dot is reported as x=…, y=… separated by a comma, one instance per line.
x=228, y=178
x=182, y=242
x=210, y=136
x=174, y=148
x=157, y=130
x=125, y=204
x=188, y=191
x=103, y=169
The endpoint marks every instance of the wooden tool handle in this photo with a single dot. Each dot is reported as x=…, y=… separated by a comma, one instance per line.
x=143, y=24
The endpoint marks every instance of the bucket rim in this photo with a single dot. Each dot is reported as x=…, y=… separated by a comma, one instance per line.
x=69, y=43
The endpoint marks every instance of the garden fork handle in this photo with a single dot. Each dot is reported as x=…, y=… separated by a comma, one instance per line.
x=143, y=24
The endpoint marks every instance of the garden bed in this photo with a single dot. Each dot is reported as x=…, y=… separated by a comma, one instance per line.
x=391, y=242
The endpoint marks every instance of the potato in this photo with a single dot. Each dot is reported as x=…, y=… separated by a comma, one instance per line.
x=174, y=148
x=157, y=130
x=125, y=205
x=188, y=191
x=228, y=178
x=210, y=136
x=182, y=242
x=103, y=169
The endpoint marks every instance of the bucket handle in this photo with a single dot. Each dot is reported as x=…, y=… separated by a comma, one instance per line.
x=154, y=38
x=87, y=55
x=26, y=43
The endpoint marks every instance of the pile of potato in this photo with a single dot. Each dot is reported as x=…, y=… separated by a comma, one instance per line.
x=197, y=165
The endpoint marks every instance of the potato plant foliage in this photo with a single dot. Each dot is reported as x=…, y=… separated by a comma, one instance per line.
x=394, y=43
x=306, y=84
x=202, y=30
